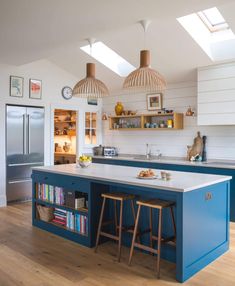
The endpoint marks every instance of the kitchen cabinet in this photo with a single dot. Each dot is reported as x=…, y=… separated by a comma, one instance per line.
x=65, y=126
x=216, y=102
x=90, y=128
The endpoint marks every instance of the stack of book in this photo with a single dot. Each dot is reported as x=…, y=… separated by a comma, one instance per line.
x=60, y=216
x=81, y=224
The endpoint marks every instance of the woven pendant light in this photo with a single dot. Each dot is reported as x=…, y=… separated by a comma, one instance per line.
x=90, y=87
x=144, y=78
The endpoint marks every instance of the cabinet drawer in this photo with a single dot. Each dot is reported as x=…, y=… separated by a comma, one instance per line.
x=67, y=182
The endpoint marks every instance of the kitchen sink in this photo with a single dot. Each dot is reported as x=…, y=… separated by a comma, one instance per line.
x=144, y=157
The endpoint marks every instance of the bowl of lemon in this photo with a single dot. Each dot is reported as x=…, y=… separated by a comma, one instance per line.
x=84, y=161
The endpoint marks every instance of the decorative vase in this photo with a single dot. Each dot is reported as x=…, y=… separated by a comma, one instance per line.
x=66, y=147
x=118, y=108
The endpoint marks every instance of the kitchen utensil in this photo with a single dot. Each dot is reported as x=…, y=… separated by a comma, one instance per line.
x=98, y=150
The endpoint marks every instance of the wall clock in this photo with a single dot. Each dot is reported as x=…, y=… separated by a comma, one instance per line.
x=67, y=92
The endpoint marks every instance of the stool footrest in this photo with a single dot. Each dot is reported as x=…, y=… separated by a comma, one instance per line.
x=165, y=240
x=107, y=222
x=129, y=228
x=145, y=247
x=109, y=235
x=145, y=231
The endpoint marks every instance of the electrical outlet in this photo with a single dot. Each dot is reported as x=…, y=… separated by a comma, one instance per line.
x=208, y=196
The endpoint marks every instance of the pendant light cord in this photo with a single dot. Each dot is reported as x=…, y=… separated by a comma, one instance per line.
x=91, y=41
x=145, y=24
x=145, y=39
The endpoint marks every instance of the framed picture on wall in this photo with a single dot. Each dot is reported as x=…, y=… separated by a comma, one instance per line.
x=16, y=86
x=35, y=88
x=154, y=101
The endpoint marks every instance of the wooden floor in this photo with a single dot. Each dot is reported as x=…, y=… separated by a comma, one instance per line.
x=29, y=256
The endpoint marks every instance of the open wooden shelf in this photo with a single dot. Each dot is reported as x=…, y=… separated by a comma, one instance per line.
x=65, y=122
x=64, y=154
x=139, y=121
x=64, y=135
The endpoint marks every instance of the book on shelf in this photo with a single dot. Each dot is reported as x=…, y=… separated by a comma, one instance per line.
x=45, y=192
x=79, y=203
x=60, y=216
x=60, y=196
x=81, y=223
x=70, y=220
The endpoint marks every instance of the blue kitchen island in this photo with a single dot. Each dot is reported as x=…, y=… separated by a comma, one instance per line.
x=201, y=212
x=217, y=167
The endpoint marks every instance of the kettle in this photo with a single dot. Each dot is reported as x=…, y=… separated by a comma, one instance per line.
x=98, y=150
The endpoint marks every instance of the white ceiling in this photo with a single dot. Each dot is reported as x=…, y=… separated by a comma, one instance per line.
x=55, y=29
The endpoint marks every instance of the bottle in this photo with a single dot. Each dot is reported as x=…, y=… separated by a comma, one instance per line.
x=204, y=158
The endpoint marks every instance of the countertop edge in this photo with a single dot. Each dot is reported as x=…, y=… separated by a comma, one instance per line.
x=207, y=164
x=140, y=183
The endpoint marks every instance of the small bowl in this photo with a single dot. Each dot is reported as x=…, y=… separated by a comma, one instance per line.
x=84, y=164
x=125, y=112
x=133, y=112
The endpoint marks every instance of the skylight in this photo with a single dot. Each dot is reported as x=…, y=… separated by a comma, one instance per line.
x=210, y=30
x=109, y=58
x=213, y=19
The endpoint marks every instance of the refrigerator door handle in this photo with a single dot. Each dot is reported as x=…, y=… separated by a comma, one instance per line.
x=24, y=134
x=28, y=135
x=25, y=164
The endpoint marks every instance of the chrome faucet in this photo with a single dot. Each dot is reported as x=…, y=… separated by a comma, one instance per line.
x=158, y=154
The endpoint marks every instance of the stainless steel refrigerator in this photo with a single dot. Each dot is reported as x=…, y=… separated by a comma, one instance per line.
x=24, y=149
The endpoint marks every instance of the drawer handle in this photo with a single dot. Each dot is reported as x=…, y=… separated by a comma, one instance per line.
x=72, y=183
x=45, y=178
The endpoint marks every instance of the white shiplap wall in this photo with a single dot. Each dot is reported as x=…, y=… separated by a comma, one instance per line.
x=216, y=94
x=221, y=139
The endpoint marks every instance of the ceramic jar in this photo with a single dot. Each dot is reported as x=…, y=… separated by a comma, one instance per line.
x=66, y=147
x=170, y=123
x=119, y=108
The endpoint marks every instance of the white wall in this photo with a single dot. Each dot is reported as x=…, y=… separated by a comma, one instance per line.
x=221, y=139
x=53, y=79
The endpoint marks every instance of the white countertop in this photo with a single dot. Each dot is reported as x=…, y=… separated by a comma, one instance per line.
x=216, y=163
x=180, y=181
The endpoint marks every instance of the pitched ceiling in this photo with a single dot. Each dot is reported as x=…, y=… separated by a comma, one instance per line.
x=55, y=29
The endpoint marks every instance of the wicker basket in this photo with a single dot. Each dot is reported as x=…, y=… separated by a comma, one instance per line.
x=45, y=213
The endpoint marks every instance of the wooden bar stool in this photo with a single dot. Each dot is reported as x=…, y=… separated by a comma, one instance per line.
x=160, y=205
x=121, y=197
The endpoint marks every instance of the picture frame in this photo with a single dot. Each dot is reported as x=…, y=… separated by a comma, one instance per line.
x=35, y=88
x=92, y=101
x=16, y=86
x=154, y=101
